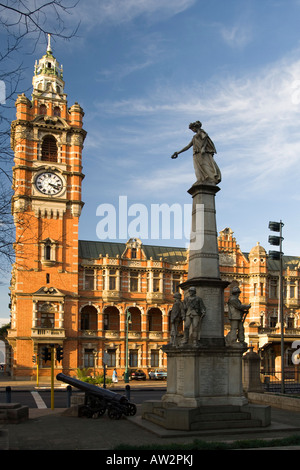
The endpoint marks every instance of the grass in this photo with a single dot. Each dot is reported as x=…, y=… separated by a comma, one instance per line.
x=203, y=445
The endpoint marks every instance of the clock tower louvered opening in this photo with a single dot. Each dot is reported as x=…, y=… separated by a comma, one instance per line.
x=49, y=149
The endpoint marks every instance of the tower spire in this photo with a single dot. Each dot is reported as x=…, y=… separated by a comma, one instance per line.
x=49, y=44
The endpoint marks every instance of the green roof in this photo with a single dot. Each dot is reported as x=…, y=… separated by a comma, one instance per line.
x=92, y=250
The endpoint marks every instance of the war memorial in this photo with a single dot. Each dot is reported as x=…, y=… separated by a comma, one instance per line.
x=205, y=383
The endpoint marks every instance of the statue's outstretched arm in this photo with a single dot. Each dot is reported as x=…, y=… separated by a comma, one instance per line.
x=175, y=154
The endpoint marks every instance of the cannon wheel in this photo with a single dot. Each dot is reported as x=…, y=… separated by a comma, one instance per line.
x=86, y=411
x=114, y=413
x=99, y=412
x=130, y=409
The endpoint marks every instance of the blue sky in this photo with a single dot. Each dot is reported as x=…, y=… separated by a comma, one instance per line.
x=144, y=69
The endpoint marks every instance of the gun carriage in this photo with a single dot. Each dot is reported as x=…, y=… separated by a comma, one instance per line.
x=98, y=400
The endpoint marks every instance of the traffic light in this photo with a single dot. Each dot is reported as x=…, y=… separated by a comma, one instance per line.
x=275, y=240
x=59, y=353
x=34, y=359
x=46, y=354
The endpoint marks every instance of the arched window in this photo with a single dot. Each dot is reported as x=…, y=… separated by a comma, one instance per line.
x=88, y=318
x=49, y=149
x=111, y=319
x=155, y=319
x=48, y=252
x=43, y=109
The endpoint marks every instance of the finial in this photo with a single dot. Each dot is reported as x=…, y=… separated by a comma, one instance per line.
x=49, y=44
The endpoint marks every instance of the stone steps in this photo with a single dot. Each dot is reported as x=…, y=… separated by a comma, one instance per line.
x=202, y=418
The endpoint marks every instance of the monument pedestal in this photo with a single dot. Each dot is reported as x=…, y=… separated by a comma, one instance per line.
x=204, y=376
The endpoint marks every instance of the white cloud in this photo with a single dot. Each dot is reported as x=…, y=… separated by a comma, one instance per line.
x=238, y=36
x=97, y=12
x=253, y=121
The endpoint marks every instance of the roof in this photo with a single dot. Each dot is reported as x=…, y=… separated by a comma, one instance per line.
x=93, y=249
x=274, y=265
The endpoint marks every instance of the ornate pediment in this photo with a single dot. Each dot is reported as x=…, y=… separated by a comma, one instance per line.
x=48, y=292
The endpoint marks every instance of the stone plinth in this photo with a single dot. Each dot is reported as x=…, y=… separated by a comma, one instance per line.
x=204, y=376
x=251, y=372
x=13, y=413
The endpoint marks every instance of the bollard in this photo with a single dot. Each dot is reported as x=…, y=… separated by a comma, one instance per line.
x=69, y=394
x=127, y=389
x=8, y=394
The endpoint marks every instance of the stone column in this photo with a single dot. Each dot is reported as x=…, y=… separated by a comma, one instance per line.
x=204, y=271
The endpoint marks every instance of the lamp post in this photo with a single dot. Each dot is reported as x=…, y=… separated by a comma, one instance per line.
x=128, y=320
x=277, y=241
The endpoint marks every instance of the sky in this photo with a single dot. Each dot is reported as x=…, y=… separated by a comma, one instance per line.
x=142, y=70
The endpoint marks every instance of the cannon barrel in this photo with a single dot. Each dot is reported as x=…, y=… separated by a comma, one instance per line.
x=92, y=389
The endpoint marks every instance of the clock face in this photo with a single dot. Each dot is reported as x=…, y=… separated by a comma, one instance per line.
x=49, y=183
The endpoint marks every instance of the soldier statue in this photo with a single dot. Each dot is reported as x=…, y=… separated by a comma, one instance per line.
x=194, y=312
x=176, y=315
x=237, y=313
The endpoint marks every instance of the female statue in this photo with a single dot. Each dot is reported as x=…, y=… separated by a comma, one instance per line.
x=206, y=169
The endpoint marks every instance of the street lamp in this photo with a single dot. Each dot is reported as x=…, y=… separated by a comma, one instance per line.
x=128, y=320
x=277, y=255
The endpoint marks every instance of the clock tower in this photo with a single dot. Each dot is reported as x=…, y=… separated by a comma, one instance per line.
x=47, y=139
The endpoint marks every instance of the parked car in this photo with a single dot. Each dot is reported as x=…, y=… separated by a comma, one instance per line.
x=157, y=374
x=137, y=374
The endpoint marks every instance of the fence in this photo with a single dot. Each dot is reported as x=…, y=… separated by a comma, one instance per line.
x=272, y=381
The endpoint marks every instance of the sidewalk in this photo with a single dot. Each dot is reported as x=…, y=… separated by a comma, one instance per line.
x=49, y=429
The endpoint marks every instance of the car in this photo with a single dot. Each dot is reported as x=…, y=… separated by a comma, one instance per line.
x=137, y=374
x=158, y=374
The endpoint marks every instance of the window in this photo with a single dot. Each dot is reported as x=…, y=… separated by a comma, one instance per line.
x=89, y=358
x=155, y=319
x=261, y=289
x=292, y=290
x=273, y=289
x=112, y=279
x=133, y=358
x=89, y=279
x=48, y=252
x=156, y=282
x=273, y=322
x=255, y=289
x=134, y=282
x=43, y=109
x=49, y=149
x=176, y=282
x=154, y=360
x=290, y=322
x=88, y=318
x=111, y=355
x=56, y=111
x=47, y=315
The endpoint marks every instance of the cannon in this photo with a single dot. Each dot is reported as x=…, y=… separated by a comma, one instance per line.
x=98, y=400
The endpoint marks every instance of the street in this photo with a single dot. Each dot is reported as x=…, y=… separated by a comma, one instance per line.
x=42, y=398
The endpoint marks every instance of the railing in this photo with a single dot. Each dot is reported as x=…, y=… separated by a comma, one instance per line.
x=272, y=381
x=48, y=332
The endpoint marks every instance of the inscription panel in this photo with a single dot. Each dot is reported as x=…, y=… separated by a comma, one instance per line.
x=214, y=376
x=212, y=324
